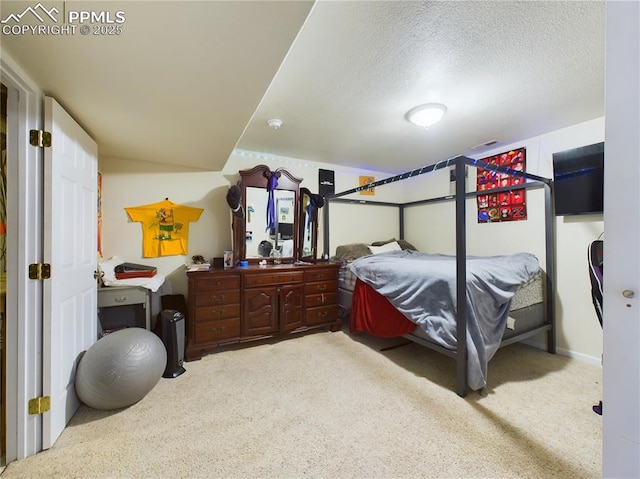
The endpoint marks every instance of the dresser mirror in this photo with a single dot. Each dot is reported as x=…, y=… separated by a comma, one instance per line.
x=258, y=234
x=271, y=222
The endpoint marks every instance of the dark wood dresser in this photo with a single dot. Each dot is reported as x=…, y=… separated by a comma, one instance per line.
x=248, y=303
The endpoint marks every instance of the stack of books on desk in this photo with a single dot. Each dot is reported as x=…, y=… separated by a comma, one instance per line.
x=132, y=270
x=197, y=267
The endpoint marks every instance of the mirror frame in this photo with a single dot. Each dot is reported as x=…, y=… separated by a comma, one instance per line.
x=314, y=228
x=258, y=177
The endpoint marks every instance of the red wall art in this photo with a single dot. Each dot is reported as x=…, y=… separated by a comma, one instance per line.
x=500, y=204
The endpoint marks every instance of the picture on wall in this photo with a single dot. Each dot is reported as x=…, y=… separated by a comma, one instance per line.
x=367, y=180
x=500, y=204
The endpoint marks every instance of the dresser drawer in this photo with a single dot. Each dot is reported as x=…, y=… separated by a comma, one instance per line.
x=269, y=279
x=121, y=297
x=323, y=274
x=322, y=299
x=321, y=315
x=216, y=298
x=217, y=330
x=230, y=311
x=323, y=287
x=217, y=282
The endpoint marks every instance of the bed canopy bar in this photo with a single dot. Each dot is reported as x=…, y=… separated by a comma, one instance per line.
x=531, y=181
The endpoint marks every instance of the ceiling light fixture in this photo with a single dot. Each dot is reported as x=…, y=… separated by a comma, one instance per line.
x=274, y=123
x=426, y=115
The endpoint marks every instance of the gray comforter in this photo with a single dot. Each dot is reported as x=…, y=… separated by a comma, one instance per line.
x=423, y=288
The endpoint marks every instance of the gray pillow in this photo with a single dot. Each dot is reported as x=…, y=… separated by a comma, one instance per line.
x=382, y=243
x=404, y=244
x=349, y=252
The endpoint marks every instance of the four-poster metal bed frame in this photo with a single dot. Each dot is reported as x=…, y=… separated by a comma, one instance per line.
x=532, y=182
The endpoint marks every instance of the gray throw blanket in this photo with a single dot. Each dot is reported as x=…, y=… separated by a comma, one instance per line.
x=423, y=288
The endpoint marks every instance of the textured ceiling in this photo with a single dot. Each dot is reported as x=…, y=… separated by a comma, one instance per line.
x=186, y=82
x=505, y=70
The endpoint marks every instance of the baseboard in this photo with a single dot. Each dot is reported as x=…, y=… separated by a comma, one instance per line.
x=584, y=358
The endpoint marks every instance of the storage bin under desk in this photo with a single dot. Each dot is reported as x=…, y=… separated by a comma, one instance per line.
x=124, y=306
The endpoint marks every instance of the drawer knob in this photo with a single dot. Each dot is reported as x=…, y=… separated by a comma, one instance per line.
x=217, y=299
x=217, y=330
x=120, y=299
x=218, y=313
x=322, y=287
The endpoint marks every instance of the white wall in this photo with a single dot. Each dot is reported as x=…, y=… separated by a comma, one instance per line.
x=430, y=228
x=127, y=183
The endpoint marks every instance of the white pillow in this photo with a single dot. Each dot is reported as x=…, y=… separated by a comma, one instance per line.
x=393, y=246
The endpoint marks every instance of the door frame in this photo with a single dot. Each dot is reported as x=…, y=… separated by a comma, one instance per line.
x=24, y=296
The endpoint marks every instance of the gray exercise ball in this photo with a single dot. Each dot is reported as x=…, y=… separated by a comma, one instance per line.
x=120, y=369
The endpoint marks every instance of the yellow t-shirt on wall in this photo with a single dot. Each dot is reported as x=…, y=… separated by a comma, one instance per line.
x=165, y=227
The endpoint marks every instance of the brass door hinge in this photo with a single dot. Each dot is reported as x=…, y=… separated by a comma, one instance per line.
x=39, y=405
x=39, y=271
x=40, y=138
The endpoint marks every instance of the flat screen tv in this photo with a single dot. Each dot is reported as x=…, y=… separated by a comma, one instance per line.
x=578, y=176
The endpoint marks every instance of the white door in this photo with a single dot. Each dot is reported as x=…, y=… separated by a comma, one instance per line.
x=70, y=246
x=621, y=358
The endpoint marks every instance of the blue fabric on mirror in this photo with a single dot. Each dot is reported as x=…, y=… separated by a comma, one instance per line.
x=271, y=204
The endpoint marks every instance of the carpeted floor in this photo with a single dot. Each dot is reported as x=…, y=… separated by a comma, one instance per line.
x=332, y=405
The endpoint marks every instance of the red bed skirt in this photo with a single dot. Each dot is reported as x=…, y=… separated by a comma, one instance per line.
x=373, y=313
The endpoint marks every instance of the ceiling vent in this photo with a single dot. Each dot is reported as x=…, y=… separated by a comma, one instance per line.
x=484, y=145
